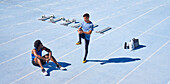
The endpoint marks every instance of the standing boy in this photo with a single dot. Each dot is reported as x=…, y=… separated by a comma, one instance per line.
x=85, y=31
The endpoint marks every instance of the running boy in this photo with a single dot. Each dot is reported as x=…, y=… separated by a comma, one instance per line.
x=85, y=31
x=39, y=60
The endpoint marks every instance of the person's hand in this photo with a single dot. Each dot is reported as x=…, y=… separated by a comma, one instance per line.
x=47, y=60
x=80, y=31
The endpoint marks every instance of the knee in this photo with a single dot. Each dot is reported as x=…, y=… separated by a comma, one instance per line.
x=46, y=56
x=38, y=60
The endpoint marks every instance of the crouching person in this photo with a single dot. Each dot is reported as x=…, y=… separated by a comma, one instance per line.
x=39, y=60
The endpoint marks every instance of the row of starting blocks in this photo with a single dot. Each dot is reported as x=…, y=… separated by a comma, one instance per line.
x=53, y=20
x=67, y=22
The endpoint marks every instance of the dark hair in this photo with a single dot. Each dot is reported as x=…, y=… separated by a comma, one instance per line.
x=37, y=43
x=86, y=15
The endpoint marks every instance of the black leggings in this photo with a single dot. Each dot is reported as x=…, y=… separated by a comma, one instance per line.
x=86, y=44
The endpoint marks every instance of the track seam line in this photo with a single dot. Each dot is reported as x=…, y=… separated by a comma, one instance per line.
x=23, y=36
x=143, y=62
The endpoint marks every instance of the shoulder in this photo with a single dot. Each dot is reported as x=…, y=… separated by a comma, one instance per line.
x=33, y=50
x=91, y=24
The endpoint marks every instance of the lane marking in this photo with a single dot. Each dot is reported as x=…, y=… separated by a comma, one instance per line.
x=153, y=26
x=142, y=62
x=89, y=68
x=35, y=31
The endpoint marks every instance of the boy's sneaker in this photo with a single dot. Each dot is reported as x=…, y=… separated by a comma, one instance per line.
x=84, y=61
x=44, y=72
x=78, y=43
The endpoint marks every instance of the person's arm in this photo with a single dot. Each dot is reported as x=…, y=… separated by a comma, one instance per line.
x=79, y=28
x=36, y=55
x=80, y=31
x=89, y=32
x=48, y=50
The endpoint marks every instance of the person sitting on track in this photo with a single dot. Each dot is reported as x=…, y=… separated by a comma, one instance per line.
x=39, y=60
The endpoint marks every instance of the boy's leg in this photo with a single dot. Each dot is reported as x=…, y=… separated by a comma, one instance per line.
x=86, y=49
x=80, y=36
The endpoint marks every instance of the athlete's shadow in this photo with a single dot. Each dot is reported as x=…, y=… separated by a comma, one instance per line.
x=115, y=60
x=52, y=66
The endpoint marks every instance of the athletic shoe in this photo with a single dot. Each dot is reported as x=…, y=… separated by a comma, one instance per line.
x=78, y=43
x=44, y=72
x=84, y=61
x=62, y=68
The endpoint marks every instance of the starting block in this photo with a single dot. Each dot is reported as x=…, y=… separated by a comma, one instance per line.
x=133, y=44
x=43, y=18
x=77, y=25
x=103, y=30
x=52, y=20
x=67, y=22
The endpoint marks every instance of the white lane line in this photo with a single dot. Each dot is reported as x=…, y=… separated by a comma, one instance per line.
x=23, y=36
x=30, y=50
x=107, y=33
x=15, y=57
x=24, y=76
x=60, y=37
x=80, y=73
x=142, y=63
x=115, y=51
x=153, y=26
x=89, y=67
